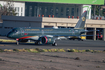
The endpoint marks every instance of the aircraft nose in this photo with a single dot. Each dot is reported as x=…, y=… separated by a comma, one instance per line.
x=9, y=35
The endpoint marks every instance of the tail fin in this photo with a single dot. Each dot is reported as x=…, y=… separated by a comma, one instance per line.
x=81, y=22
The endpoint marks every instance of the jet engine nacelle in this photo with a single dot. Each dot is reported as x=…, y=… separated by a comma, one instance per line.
x=46, y=40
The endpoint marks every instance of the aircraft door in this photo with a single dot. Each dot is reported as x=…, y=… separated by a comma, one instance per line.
x=22, y=32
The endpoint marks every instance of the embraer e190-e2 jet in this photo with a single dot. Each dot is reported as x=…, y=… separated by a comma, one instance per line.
x=47, y=35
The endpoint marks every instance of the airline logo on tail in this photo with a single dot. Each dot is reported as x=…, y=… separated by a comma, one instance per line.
x=83, y=18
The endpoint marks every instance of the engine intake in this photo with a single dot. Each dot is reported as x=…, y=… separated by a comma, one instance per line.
x=46, y=40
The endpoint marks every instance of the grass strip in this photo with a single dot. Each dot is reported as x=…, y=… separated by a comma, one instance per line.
x=38, y=50
x=4, y=40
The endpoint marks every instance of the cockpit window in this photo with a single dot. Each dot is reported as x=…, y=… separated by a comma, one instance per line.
x=14, y=30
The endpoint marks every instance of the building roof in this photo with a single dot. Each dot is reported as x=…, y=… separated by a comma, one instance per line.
x=55, y=21
x=92, y=2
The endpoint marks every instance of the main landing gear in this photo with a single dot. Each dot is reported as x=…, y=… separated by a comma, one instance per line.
x=38, y=42
x=54, y=44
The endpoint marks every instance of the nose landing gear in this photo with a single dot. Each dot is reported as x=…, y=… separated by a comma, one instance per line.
x=17, y=41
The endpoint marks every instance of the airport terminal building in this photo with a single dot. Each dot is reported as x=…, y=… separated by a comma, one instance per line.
x=60, y=9
x=49, y=13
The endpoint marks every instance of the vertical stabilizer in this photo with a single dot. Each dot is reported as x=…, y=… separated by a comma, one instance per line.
x=81, y=22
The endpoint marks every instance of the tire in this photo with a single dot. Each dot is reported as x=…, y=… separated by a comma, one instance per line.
x=54, y=44
x=17, y=43
x=81, y=39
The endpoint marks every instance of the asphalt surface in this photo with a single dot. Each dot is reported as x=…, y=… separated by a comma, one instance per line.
x=66, y=44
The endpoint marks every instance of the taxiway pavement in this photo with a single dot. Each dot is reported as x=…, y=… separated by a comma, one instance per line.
x=66, y=44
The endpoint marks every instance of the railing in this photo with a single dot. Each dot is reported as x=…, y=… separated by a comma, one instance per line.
x=53, y=16
x=98, y=17
x=95, y=17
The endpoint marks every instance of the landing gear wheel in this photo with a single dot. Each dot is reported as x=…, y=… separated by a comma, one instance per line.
x=54, y=44
x=81, y=39
x=17, y=41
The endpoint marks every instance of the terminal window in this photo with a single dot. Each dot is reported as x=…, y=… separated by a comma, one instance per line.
x=17, y=11
x=51, y=10
x=35, y=11
x=30, y=10
x=46, y=11
x=77, y=12
x=72, y=11
x=43, y=10
x=21, y=11
x=56, y=12
x=61, y=11
x=67, y=12
x=26, y=8
x=40, y=10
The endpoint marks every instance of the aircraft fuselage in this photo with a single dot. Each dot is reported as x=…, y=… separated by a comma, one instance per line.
x=24, y=33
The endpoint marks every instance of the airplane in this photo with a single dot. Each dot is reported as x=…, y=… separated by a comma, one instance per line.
x=47, y=35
